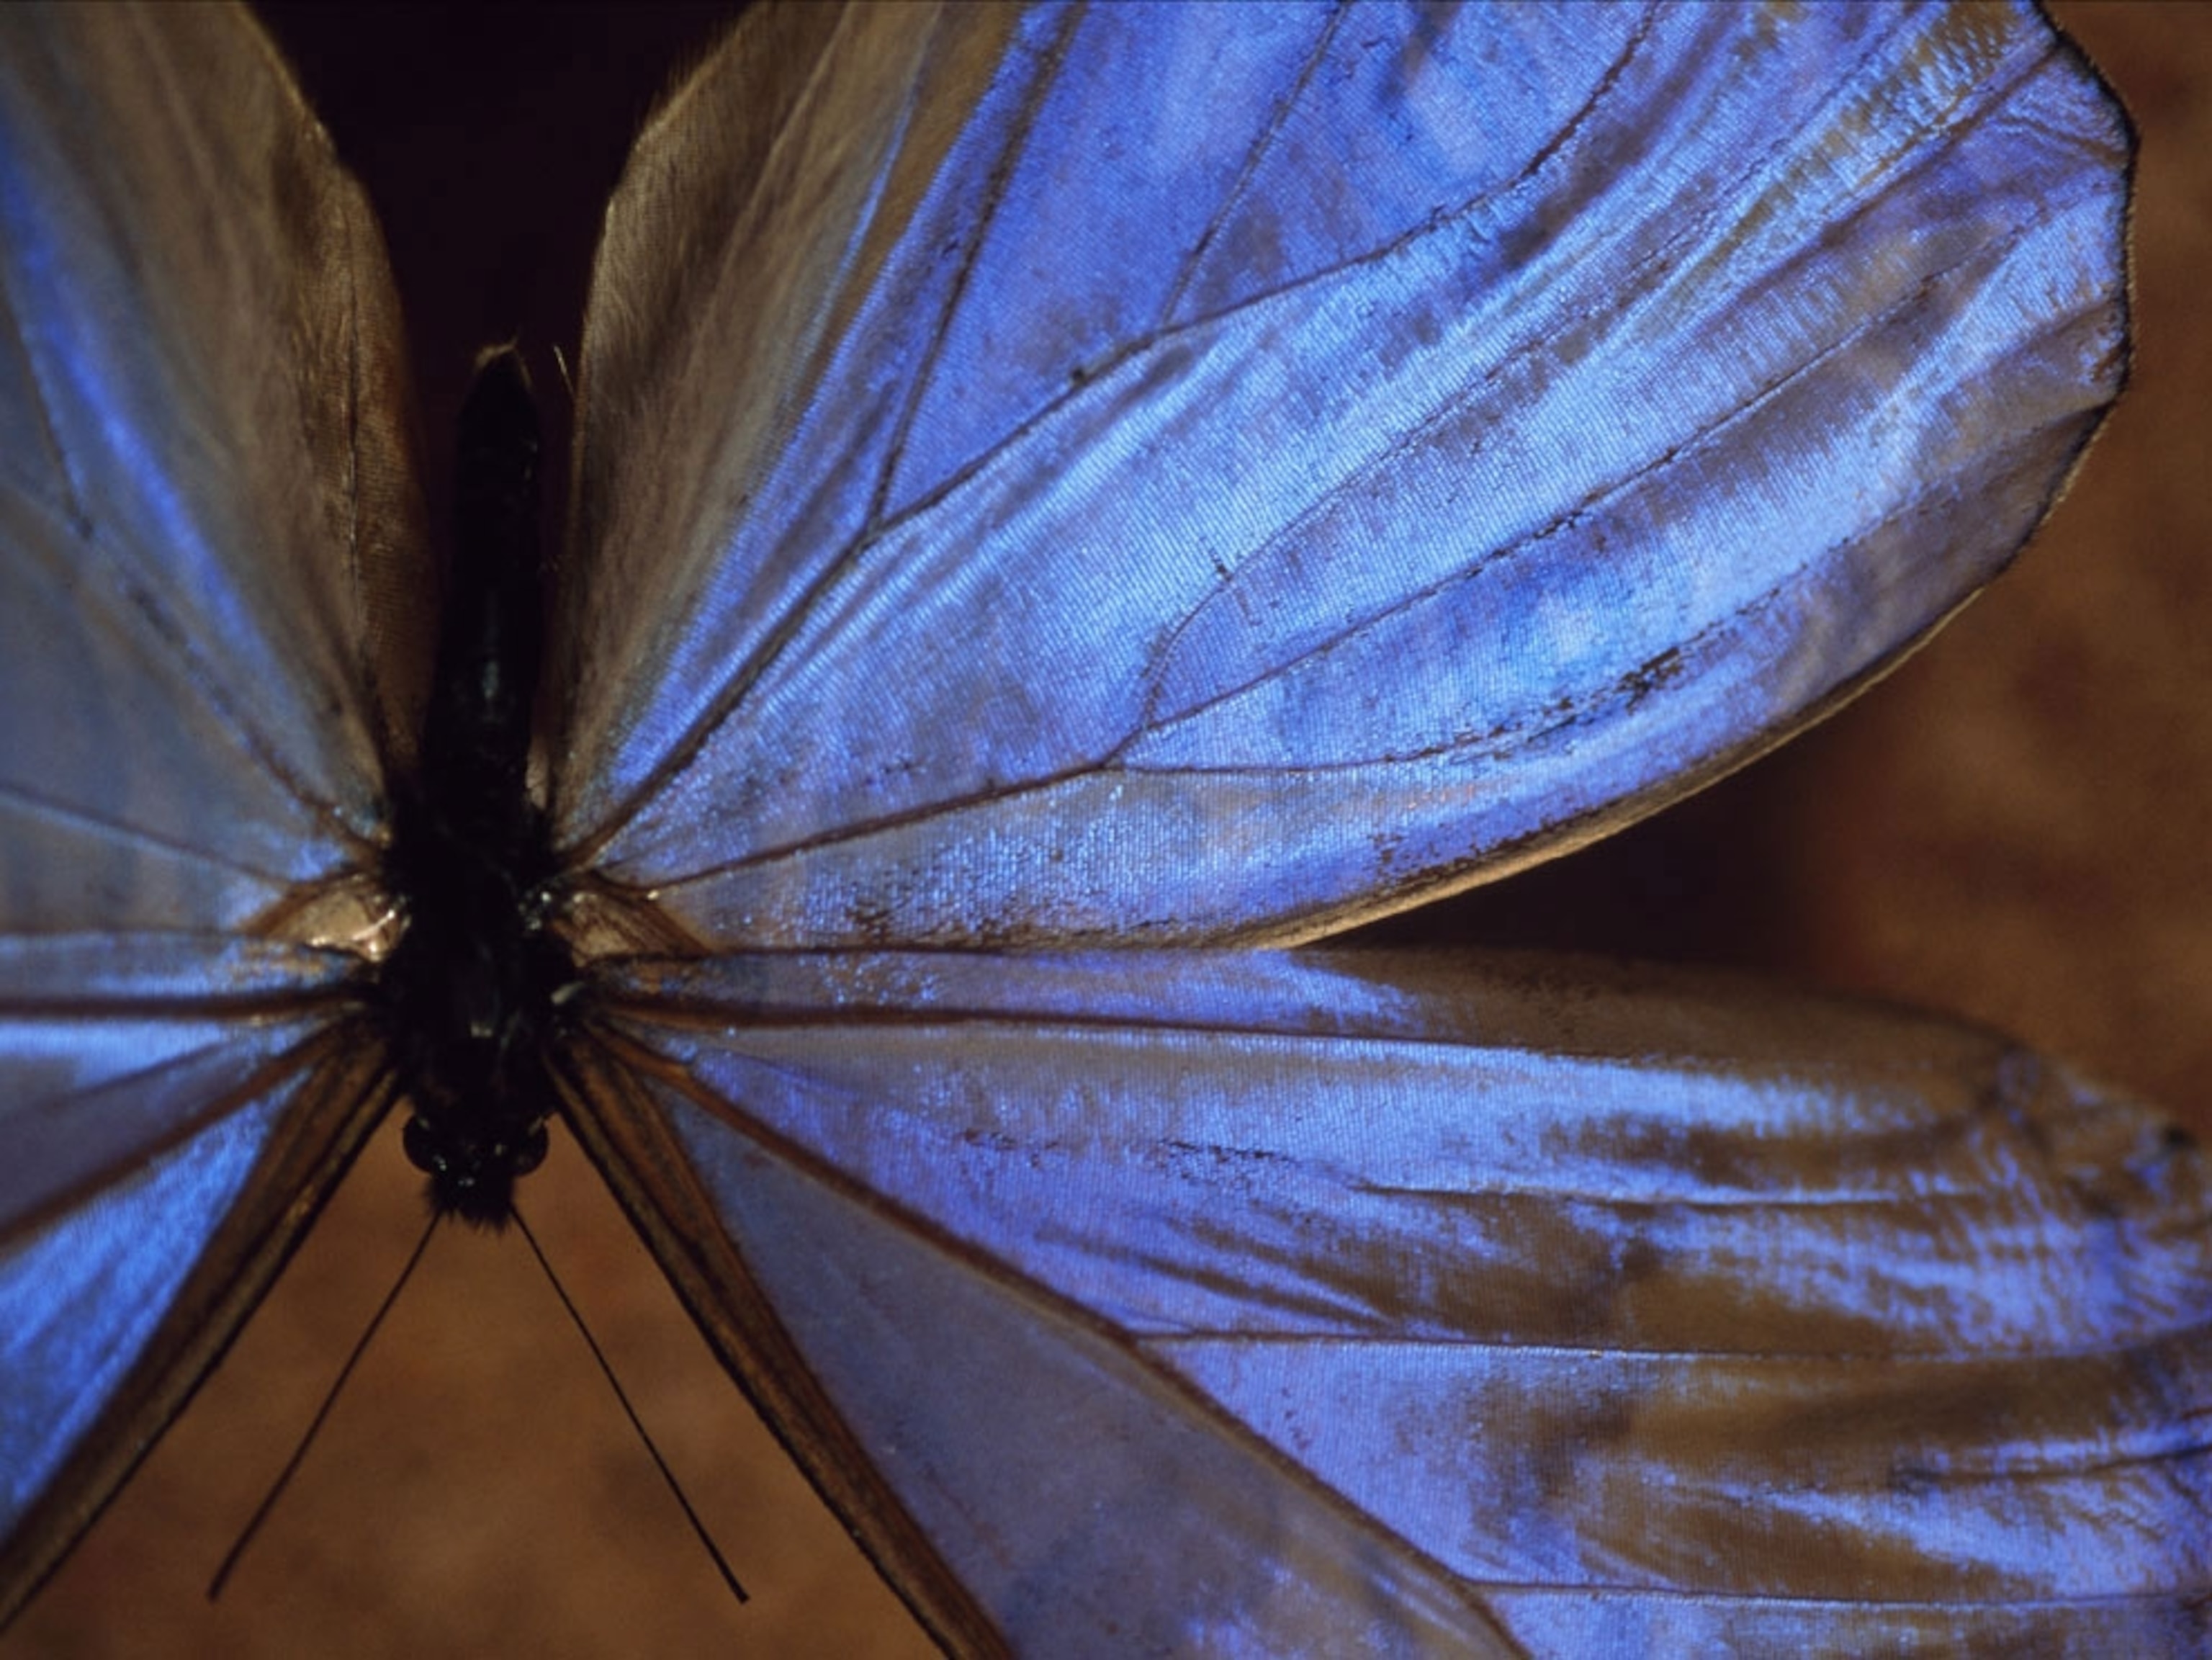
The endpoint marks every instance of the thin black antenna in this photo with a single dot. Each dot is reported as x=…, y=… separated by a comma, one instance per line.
x=300, y=1453
x=607, y=1371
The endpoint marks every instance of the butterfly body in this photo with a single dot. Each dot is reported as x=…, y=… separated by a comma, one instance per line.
x=467, y=998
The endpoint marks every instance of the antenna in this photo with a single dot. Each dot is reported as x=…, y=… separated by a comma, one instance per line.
x=299, y=1454
x=606, y=1370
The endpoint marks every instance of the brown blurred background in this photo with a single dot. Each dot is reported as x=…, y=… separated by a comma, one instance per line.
x=2015, y=828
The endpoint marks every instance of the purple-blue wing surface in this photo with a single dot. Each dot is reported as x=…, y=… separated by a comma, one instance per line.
x=1222, y=472
x=204, y=492
x=1312, y=1303
x=204, y=498
x=172, y=1108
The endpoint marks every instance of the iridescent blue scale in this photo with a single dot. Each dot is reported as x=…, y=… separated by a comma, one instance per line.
x=1067, y=500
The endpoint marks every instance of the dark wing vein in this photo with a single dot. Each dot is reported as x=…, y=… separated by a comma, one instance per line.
x=1263, y=142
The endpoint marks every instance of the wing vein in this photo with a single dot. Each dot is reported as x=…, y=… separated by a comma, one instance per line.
x=35, y=805
x=297, y=1060
x=1627, y=690
x=1263, y=142
x=1020, y=130
x=1781, y=1359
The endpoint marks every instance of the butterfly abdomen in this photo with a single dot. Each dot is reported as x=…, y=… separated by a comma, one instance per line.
x=469, y=993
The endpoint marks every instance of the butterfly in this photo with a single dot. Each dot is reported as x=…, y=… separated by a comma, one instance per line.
x=1243, y=1008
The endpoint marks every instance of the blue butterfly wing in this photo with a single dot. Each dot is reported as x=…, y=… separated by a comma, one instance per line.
x=1310, y=1303
x=204, y=495
x=1226, y=472
x=176, y=1107
x=973, y=621
x=1223, y=473
x=207, y=491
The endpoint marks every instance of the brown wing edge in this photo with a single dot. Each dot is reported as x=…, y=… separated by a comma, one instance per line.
x=310, y=1149
x=357, y=400
x=645, y=1168
x=654, y=295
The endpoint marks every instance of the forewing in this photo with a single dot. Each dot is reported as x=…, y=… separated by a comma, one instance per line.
x=205, y=496
x=1224, y=471
x=211, y=566
x=1275, y=1305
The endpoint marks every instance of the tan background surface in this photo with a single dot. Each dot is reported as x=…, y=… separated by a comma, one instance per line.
x=2014, y=827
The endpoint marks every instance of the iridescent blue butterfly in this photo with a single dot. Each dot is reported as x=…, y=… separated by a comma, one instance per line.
x=1065, y=497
